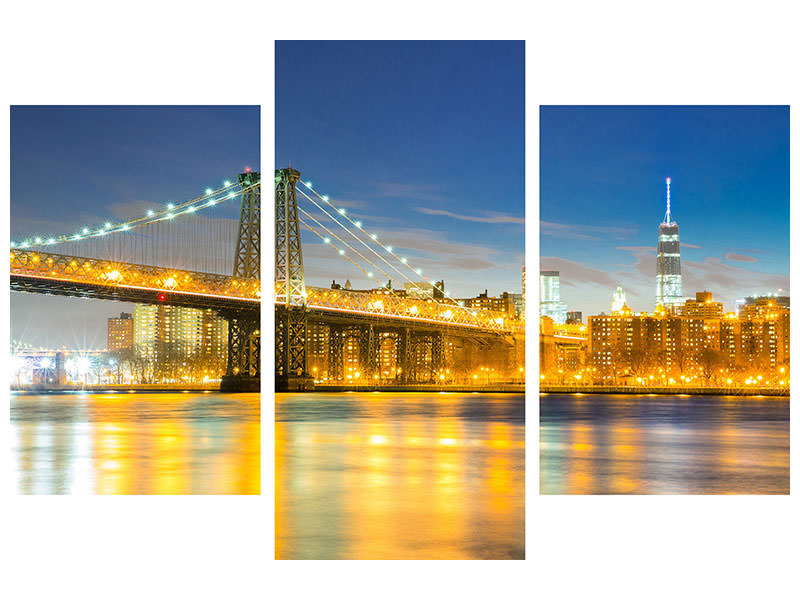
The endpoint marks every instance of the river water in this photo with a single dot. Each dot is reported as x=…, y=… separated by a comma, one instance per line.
x=142, y=443
x=400, y=476
x=596, y=444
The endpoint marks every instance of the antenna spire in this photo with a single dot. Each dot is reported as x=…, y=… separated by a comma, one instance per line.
x=668, y=216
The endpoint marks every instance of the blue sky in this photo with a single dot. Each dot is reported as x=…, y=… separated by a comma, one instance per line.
x=79, y=166
x=421, y=141
x=603, y=172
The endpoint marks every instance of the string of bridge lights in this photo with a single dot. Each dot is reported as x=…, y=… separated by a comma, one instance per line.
x=169, y=212
x=363, y=243
x=341, y=252
x=327, y=240
x=358, y=225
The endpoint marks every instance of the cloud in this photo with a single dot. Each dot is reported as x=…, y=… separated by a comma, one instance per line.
x=573, y=231
x=688, y=245
x=574, y=274
x=490, y=218
x=740, y=257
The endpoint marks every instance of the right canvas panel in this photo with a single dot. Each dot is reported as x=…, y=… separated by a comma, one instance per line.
x=664, y=300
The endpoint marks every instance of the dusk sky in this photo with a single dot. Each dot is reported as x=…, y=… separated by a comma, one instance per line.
x=421, y=141
x=80, y=166
x=603, y=172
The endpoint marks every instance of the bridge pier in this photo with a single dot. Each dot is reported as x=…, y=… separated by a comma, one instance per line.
x=291, y=366
x=244, y=353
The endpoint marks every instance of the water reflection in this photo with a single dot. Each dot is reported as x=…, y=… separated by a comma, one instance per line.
x=178, y=443
x=596, y=444
x=399, y=476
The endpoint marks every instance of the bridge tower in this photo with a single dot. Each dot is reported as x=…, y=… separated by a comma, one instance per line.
x=291, y=317
x=244, y=329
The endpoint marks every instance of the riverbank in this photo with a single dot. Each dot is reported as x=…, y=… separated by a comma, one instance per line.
x=116, y=389
x=663, y=391
x=508, y=388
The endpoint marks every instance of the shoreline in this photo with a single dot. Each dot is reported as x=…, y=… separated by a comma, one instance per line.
x=510, y=388
x=663, y=391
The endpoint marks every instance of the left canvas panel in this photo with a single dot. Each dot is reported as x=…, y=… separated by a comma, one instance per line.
x=135, y=299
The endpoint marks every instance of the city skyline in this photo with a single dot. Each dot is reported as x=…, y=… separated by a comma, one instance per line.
x=421, y=141
x=603, y=197
x=104, y=162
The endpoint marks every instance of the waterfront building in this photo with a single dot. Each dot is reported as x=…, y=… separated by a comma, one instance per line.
x=550, y=304
x=624, y=345
x=120, y=333
x=669, y=289
x=184, y=342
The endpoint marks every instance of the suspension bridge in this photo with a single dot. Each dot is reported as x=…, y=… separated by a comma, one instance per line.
x=173, y=255
x=385, y=337
x=179, y=255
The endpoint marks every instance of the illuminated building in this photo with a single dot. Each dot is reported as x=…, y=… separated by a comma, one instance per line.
x=702, y=307
x=758, y=306
x=177, y=334
x=668, y=261
x=624, y=343
x=550, y=304
x=618, y=301
x=317, y=348
x=424, y=289
x=504, y=304
x=519, y=305
x=120, y=332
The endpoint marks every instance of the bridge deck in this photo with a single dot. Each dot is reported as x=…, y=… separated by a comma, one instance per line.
x=390, y=309
x=58, y=274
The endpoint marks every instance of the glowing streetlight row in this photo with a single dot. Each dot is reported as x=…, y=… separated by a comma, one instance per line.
x=211, y=198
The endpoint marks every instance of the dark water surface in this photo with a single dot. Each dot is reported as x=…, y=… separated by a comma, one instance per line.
x=400, y=476
x=597, y=444
x=148, y=443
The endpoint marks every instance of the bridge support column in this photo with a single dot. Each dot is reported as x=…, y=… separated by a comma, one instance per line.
x=291, y=366
x=244, y=353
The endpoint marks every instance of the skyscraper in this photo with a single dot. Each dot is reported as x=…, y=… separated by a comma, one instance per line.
x=668, y=263
x=550, y=304
x=618, y=301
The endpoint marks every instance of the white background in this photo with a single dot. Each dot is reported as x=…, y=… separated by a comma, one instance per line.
x=222, y=53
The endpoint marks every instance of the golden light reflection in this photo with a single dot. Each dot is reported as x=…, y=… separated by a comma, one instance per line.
x=140, y=444
x=691, y=445
x=428, y=484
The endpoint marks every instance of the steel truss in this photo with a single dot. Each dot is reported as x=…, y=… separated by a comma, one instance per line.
x=244, y=331
x=411, y=311
x=291, y=320
x=45, y=272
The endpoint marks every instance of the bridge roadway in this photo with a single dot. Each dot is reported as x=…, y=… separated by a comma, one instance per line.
x=346, y=307
x=58, y=274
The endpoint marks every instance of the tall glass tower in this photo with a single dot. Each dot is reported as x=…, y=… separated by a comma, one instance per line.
x=669, y=289
x=550, y=304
